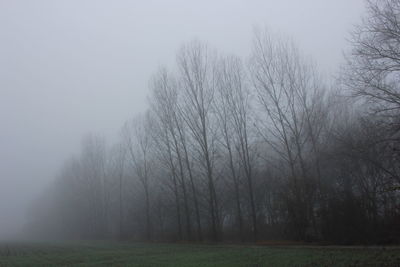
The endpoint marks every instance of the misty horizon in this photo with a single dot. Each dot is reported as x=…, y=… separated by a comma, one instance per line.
x=72, y=68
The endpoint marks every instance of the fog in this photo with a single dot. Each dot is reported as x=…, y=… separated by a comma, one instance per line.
x=68, y=68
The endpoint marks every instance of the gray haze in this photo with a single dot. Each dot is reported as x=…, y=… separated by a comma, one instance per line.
x=68, y=68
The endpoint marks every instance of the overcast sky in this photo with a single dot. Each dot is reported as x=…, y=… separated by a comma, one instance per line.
x=68, y=68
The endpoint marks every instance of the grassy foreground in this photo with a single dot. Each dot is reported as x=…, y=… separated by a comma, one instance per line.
x=135, y=254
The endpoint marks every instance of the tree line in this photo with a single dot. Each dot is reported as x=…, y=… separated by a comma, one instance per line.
x=262, y=148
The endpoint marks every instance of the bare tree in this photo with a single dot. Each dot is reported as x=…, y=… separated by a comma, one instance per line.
x=374, y=63
x=289, y=92
x=118, y=162
x=233, y=109
x=94, y=168
x=164, y=105
x=372, y=72
x=196, y=67
x=137, y=137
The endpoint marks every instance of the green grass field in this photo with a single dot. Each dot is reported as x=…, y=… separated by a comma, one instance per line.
x=135, y=254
